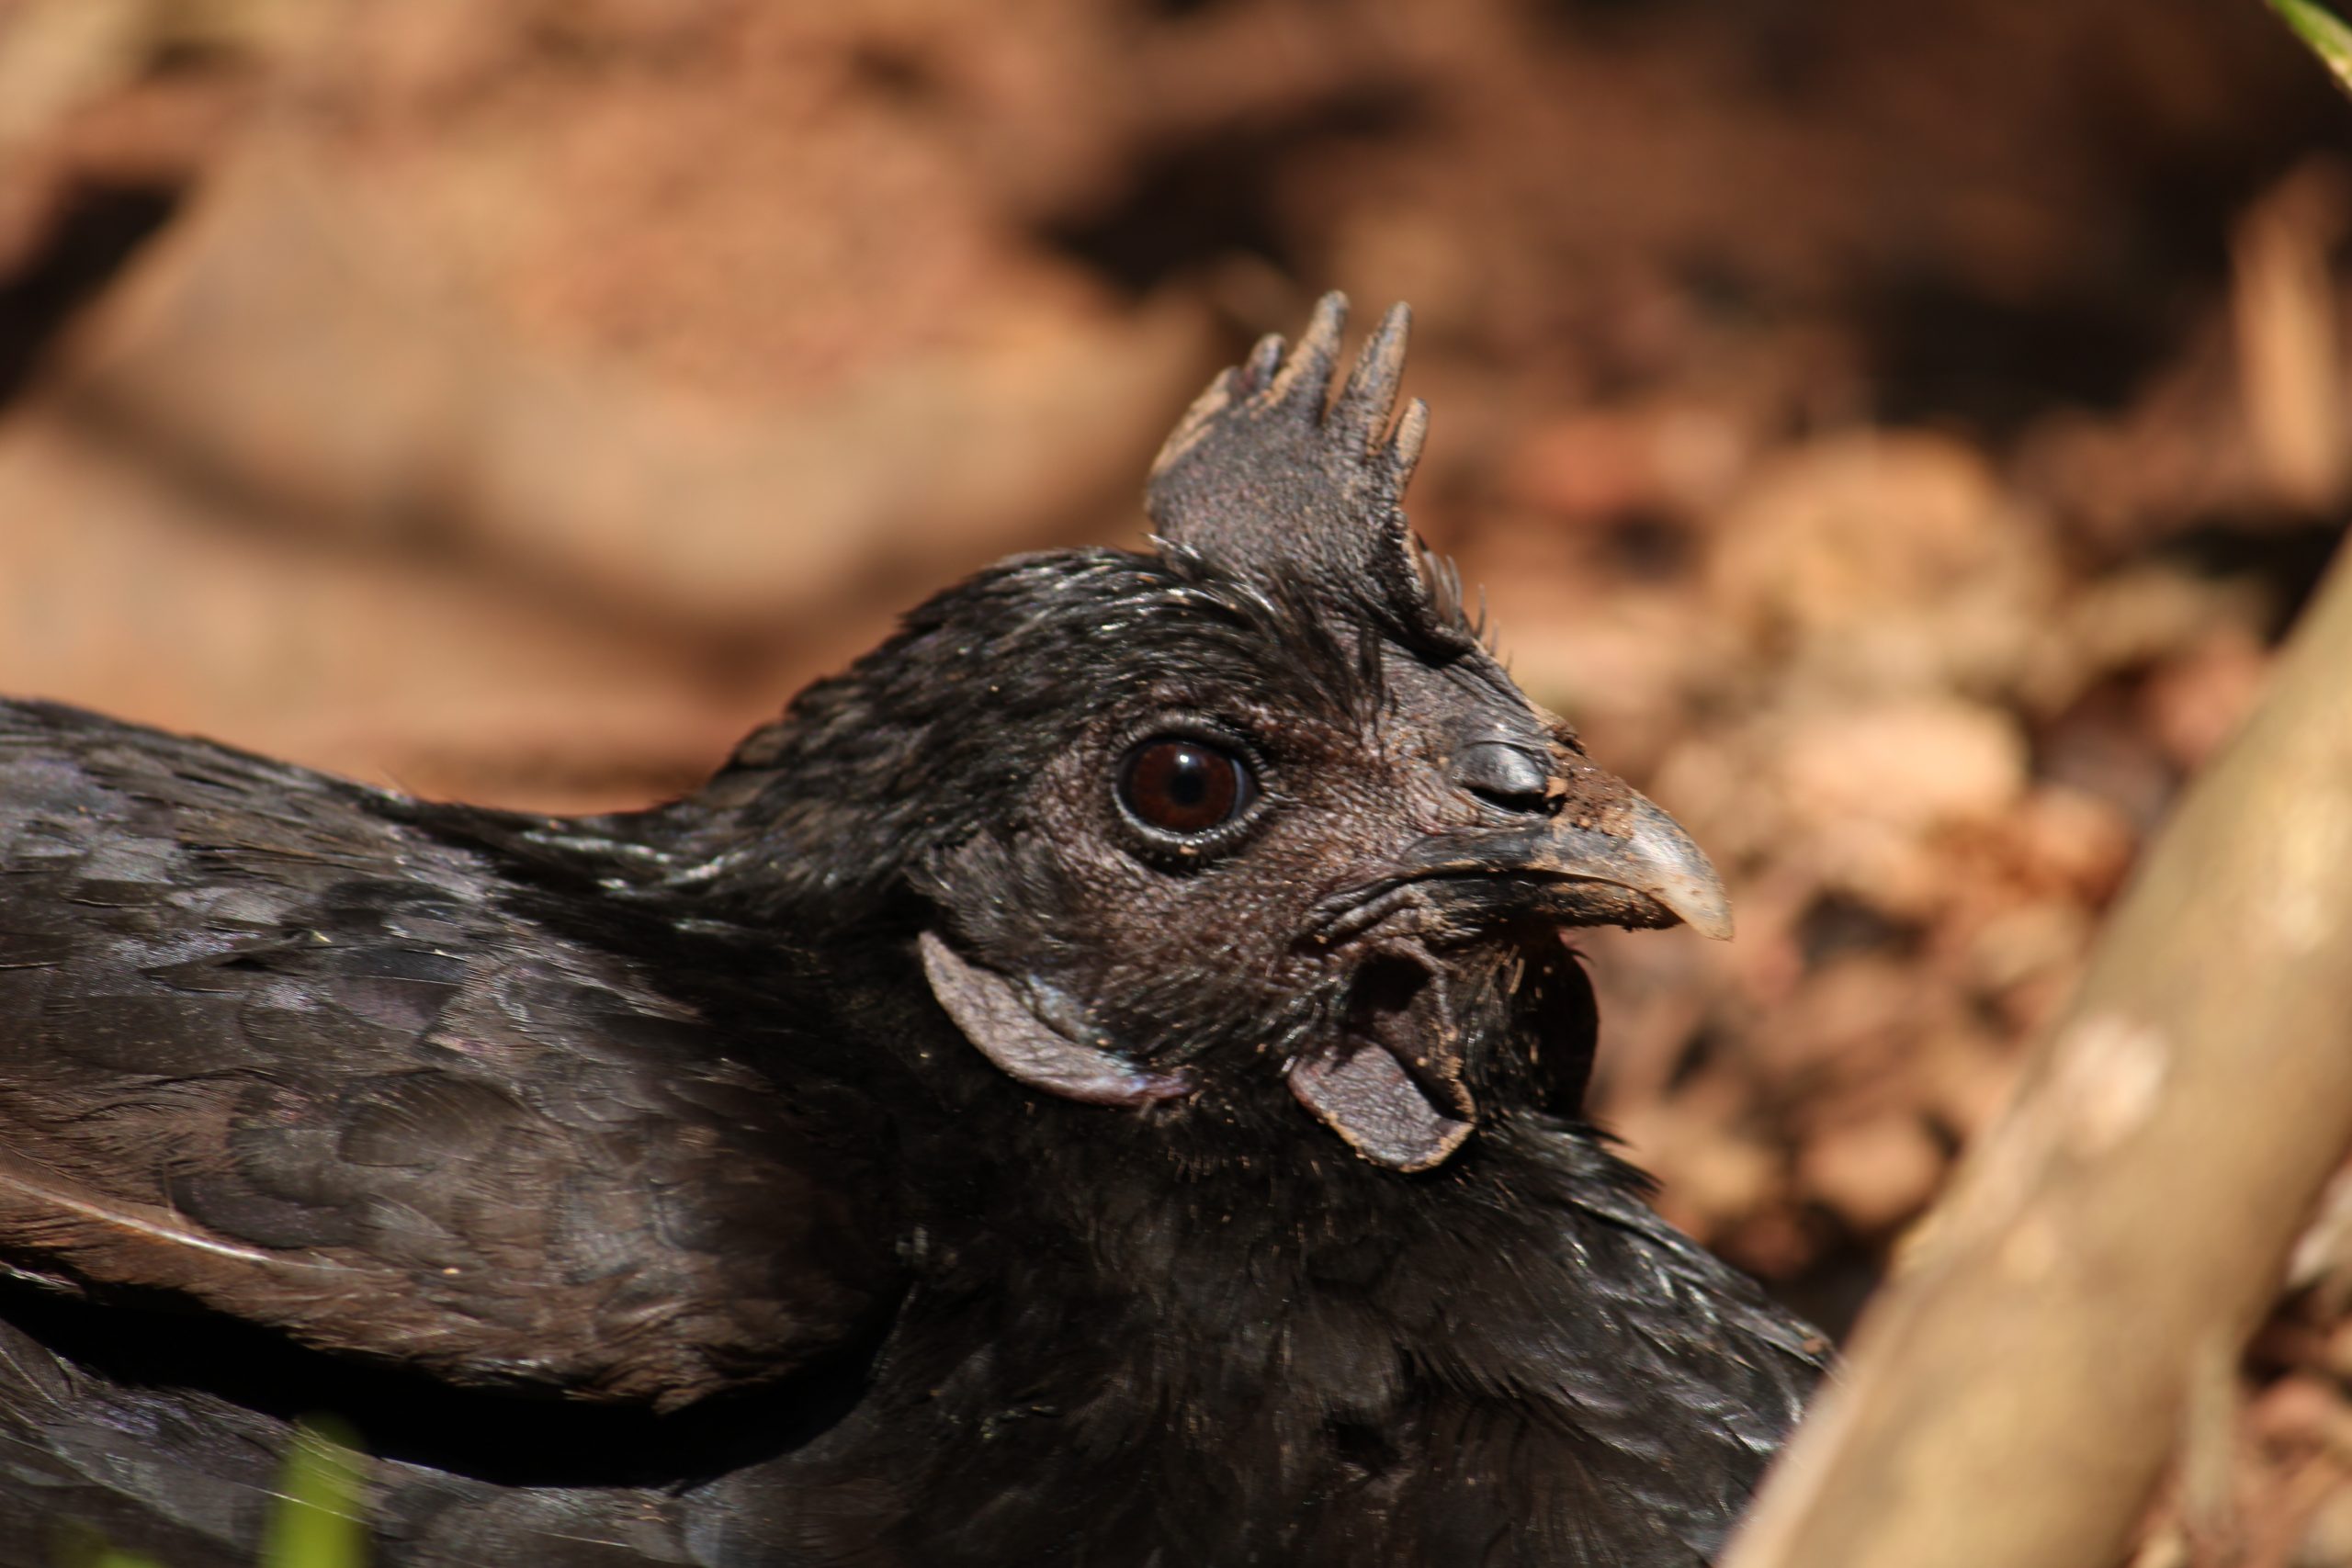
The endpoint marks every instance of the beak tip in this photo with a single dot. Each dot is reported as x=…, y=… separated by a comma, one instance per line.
x=1680, y=876
x=1715, y=924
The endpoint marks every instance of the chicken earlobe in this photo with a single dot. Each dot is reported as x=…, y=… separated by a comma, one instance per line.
x=1033, y=1033
x=1388, y=1079
x=1363, y=1092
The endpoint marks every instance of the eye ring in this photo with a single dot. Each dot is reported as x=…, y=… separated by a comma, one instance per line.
x=1185, y=789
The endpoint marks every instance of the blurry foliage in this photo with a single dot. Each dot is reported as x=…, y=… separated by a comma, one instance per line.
x=2325, y=32
x=319, y=1519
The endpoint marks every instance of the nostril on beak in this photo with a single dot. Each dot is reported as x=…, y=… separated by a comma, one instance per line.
x=1503, y=774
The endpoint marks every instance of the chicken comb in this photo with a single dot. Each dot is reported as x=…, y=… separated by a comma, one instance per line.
x=1268, y=474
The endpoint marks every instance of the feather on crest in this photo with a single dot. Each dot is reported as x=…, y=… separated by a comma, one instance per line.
x=1269, y=476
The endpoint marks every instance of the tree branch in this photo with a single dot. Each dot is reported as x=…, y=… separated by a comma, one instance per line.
x=2013, y=1393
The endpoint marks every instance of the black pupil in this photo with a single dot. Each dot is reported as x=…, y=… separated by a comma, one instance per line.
x=1182, y=786
x=1188, y=780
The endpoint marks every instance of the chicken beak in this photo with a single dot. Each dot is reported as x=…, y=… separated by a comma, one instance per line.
x=1649, y=854
x=1616, y=860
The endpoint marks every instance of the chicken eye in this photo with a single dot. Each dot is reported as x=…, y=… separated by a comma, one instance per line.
x=1178, y=785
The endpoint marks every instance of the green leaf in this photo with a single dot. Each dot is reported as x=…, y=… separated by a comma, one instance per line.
x=2323, y=32
x=320, y=1521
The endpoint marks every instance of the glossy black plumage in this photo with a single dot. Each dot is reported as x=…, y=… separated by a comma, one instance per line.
x=894, y=1153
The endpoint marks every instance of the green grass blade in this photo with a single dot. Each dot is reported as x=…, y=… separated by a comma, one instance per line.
x=321, y=1522
x=2322, y=32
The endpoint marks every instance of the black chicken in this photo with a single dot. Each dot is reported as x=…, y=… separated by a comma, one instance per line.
x=1097, y=1083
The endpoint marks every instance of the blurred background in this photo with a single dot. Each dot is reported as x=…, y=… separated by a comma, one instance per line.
x=1897, y=434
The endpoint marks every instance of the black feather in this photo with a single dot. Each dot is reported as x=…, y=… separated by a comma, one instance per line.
x=626, y=1183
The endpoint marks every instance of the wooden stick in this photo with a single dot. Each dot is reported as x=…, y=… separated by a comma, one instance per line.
x=2012, y=1394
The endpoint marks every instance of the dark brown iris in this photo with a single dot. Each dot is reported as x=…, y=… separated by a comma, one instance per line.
x=1180, y=784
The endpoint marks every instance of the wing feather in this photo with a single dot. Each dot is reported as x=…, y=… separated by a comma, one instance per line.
x=269, y=1044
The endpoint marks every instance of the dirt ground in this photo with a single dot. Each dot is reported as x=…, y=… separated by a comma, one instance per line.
x=1897, y=434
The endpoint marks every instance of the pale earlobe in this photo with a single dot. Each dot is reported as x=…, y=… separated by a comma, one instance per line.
x=1002, y=1021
